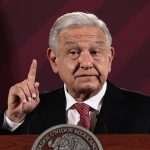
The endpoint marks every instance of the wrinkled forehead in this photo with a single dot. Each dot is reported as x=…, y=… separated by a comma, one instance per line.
x=86, y=34
x=84, y=29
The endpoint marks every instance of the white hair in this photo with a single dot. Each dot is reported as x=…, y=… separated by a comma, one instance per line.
x=76, y=19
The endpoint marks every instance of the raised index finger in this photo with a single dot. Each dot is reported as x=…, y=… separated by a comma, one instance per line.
x=32, y=71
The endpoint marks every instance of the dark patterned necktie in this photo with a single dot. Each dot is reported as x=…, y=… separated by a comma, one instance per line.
x=83, y=110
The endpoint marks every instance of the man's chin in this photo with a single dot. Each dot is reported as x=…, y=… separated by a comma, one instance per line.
x=88, y=88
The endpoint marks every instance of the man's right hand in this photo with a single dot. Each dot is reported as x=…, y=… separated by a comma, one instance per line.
x=23, y=97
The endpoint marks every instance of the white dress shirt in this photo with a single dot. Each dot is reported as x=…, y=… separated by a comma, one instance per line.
x=72, y=114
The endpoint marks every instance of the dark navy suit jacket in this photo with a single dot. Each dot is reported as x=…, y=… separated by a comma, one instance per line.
x=122, y=112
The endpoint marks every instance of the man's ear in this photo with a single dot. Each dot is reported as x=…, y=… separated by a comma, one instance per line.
x=51, y=54
x=110, y=57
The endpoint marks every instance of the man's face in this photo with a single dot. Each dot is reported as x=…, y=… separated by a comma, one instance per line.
x=83, y=60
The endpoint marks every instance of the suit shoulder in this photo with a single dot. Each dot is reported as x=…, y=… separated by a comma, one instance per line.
x=124, y=94
x=135, y=95
x=52, y=95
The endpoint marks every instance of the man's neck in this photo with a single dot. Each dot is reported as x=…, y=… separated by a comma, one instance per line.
x=84, y=95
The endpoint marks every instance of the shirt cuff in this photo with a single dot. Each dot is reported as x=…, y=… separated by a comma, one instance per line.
x=10, y=125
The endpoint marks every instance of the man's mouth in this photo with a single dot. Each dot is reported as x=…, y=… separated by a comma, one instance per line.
x=85, y=75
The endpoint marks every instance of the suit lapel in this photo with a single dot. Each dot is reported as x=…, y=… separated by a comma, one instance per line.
x=60, y=110
x=54, y=104
x=112, y=112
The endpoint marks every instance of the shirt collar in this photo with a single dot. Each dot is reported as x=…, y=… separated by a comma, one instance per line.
x=94, y=102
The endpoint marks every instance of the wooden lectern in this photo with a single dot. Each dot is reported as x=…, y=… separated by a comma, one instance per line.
x=109, y=142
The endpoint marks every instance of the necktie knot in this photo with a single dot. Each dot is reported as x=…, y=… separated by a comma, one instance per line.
x=83, y=110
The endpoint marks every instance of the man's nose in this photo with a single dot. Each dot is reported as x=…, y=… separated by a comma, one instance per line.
x=86, y=60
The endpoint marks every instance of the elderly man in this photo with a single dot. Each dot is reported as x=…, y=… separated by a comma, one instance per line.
x=80, y=52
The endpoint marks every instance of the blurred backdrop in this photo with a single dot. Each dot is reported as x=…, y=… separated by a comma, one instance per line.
x=24, y=31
